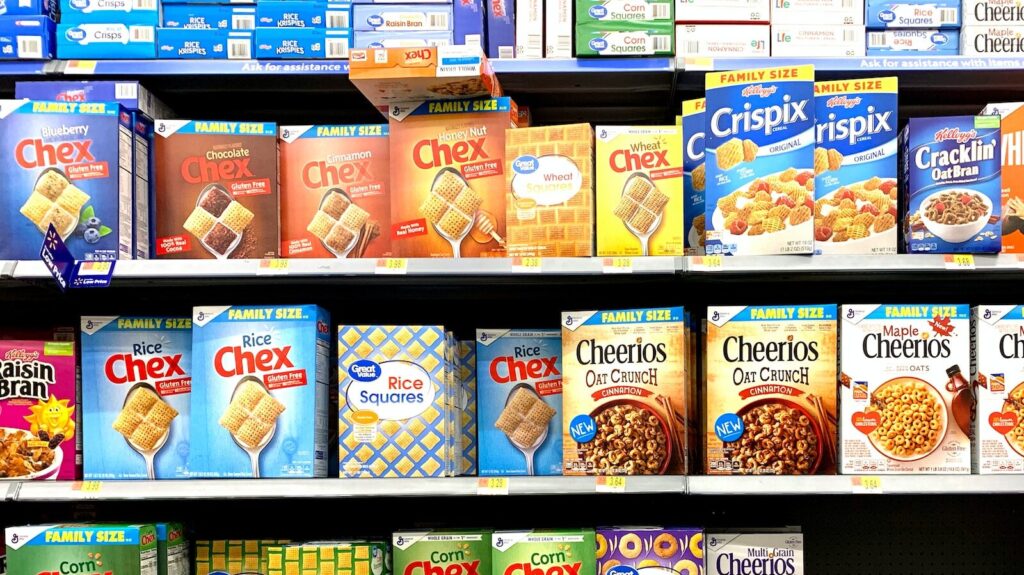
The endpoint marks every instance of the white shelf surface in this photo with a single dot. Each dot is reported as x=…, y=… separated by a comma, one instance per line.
x=847, y=484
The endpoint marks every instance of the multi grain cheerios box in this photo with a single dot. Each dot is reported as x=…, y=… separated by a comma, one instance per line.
x=694, y=175
x=905, y=402
x=675, y=550
x=625, y=365
x=113, y=549
x=552, y=551
x=997, y=334
x=759, y=149
x=771, y=373
x=952, y=184
x=855, y=166
x=259, y=391
x=731, y=553
x=452, y=552
x=1012, y=202
x=233, y=557
x=136, y=391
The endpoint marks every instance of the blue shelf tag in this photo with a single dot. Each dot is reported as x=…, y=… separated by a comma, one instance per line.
x=70, y=273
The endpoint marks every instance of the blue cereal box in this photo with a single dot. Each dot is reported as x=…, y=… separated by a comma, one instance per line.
x=66, y=163
x=694, y=179
x=372, y=39
x=470, y=21
x=952, y=184
x=98, y=41
x=290, y=14
x=203, y=44
x=338, y=16
x=759, y=150
x=29, y=8
x=401, y=17
x=206, y=16
x=855, y=166
x=145, y=12
x=130, y=94
x=301, y=43
x=136, y=387
x=27, y=37
x=466, y=365
x=501, y=28
x=932, y=42
x=519, y=383
x=912, y=14
x=260, y=391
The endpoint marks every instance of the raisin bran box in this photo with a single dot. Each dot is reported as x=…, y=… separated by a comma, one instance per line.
x=549, y=551
x=106, y=549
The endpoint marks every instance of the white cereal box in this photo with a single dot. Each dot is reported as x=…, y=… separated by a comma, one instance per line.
x=992, y=40
x=992, y=11
x=735, y=553
x=722, y=40
x=529, y=29
x=905, y=402
x=818, y=12
x=998, y=375
x=827, y=41
x=723, y=10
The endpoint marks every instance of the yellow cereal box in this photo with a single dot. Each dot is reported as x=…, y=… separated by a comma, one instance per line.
x=640, y=190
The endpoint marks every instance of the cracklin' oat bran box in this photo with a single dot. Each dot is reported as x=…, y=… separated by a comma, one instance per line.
x=997, y=333
x=760, y=161
x=694, y=175
x=454, y=552
x=113, y=549
x=554, y=551
x=771, y=371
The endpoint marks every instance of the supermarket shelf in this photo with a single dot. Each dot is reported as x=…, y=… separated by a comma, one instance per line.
x=199, y=67
x=7, y=268
x=851, y=484
x=874, y=64
x=583, y=65
x=849, y=264
x=25, y=67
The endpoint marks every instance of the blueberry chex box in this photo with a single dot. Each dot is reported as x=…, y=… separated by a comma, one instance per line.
x=96, y=41
x=301, y=43
x=373, y=39
x=206, y=44
x=290, y=14
x=30, y=8
x=130, y=94
x=401, y=17
x=26, y=37
x=932, y=42
x=913, y=14
x=143, y=12
x=204, y=16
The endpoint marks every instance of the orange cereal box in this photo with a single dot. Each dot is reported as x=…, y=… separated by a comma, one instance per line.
x=334, y=191
x=1012, y=128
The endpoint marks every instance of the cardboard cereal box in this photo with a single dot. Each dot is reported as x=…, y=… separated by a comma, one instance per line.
x=1012, y=197
x=640, y=190
x=334, y=191
x=233, y=557
x=760, y=161
x=694, y=176
x=38, y=411
x=216, y=190
x=550, y=199
x=729, y=553
x=855, y=166
x=328, y=558
x=136, y=387
x=771, y=373
x=997, y=338
x=952, y=185
x=519, y=374
x=259, y=395
x=114, y=549
x=673, y=551
x=171, y=549
x=625, y=365
x=906, y=404
x=543, y=550
x=466, y=357
x=453, y=552
x=448, y=178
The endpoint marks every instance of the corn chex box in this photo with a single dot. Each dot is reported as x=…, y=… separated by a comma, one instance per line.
x=107, y=549
x=452, y=552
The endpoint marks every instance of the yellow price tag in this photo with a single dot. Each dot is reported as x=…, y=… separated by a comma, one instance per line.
x=80, y=67
x=271, y=267
x=706, y=263
x=526, y=264
x=617, y=265
x=867, y=484
x=611, y=484
x=959, y=262
x=87, y=486
x=392, y=266
x=492, y=486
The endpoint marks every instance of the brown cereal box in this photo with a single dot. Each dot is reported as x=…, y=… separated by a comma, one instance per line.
x=771, y=390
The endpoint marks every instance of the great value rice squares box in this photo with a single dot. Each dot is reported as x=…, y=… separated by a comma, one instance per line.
x=113, y=549
x=932, y=42
x=997, y=337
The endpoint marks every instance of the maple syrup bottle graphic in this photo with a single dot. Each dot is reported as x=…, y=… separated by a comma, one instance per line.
x=963, y=399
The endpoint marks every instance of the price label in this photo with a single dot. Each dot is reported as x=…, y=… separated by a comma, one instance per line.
x=706, y=263
x=867, y=484
x=392, y=266
x=959, y=262
x=272, y=267
x=526, y=264
x=87, y=487
x=611, y=484
x=492, y=486
x=617, y=265
x=80, y=67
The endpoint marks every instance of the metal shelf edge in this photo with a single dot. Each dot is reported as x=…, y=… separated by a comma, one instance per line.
x=850, y=263
x=847, y=484
x=882, y=64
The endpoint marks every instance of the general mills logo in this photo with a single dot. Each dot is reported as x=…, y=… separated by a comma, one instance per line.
x=849, y=313
x=75, y=34
x=988, y=313
x=598, y=12
x=714, y=316
x=286, y=133
x=484, y=336
x=599, y=44
x=88, y=324
x=375, y=20
x=161, y=127
x=201, y=316
x=525, y=165
x=400, y=541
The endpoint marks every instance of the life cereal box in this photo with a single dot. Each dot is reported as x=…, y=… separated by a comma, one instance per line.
x=466, y=358
x=328, y=558
x=136, y=387
x=550, y=199
x=998, y=376
x=906, y=404
x=625, y=369
x=855, y=166
x=519, y=373
x=553, y=551
x=730, y=553
x=113, y=549
x=448, y=178
x=233, y=557
x=639, y=190
x=694, y=176
x=771, y=375
x=760, y=161
x=952, y=184
x=172, y=549
x=672, y=551
x=259, y=395
x=452, y=552
x=39, y=435
x=1012, y=197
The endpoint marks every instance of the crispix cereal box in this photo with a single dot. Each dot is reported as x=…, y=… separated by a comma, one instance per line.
x=760, y=161
x=855, y=166
x=100, y=549
x=997, y=333
x=451, y=552
x=694, y=176
x=543, y=551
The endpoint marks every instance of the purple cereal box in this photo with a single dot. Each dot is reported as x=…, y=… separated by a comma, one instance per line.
x=38, y=410
x=469, y=22
x=675, y=550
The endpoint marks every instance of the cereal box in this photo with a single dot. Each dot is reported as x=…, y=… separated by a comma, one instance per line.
x=733, y=553
x=912, y=14
x=673, y=551
x=550, y=199
x=519, y=374
x=771, y=373
x=1012, y=196
x=328, y=558
x=171, y=549
x=618, y=38
x=952, y=186
x=624, y=368
x=999, y=40
x=997, y=338
x=38, y=411
x=640, y=190
x=986, y=11
x=818, y=12
x=855, y=166
x=466, y=358
x=448, y=178
x=632, y=11
x=259, y=398
x=403, y=40
x=234, y=557
x=552, y=551
x=529, y=29
x=27, y=38
x=760, y=158
x=501, y=28
x=113, y=549
x=694, y=176
x=103, y=40
x=451, y=552
x=906, y=404
x=216, y=190
x=834, y=41
x=723, y=10
x=67, y=164
x=208, y=16
x=721, y=41
x=928, y=42
x=558, y=28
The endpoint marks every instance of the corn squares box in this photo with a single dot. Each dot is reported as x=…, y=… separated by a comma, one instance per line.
x=549, y=205
x=328, y=558
x=771, y=374
x=233, y=557
x=673, y=551
x=519, y=374
x=624, y=368
x=618, y=38
x=136, y=391
x=694, y=175
x=633, y=11
x=466, y=360
x=855, y=166
x=452, y=552
x=553, y=551
x=171, y=549
x=259, y=403
x=997, y=339
x=952, y=184
x=640, y=190
x=39, y=435
x=1012, y=196
x=448, y=178
x=113, y=549
x=906, y=404
x=760, y=161
x=729, y=553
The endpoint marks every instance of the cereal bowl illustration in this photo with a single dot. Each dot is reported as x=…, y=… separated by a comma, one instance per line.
x=955, y=215
x=339, y=222
x=251, y=418
x=218, y=221
x=33, y=457
x=453, y=208
x=641, y=208
x=145, y=423
x=778, y=207
x=857, y=218
x=780, y=437
x=1014, y=403
x=912, y=419
x=631, y=435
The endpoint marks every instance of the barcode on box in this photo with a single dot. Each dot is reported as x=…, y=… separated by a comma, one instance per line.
x=145, y=4
x=506, y=51
x=662, y=43
x=126, y=90
x=692, y=47
x=661, y=11
x=239, y=48
x=564, y=44
x=337, y=19
x=947, y=15
x=876, y=39
x=243, y=22
x=438, y=21
x=848, y=4
x=141, y=33
x=849, y=35
x=337, y=48
x=30, y=47
x=534, y=42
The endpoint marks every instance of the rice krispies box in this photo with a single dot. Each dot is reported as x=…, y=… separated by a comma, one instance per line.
x=759, y=161
x=259, y=391
x=771, y=374
x=672, y=551
x=456, y=552
x=694, y=175
x=39, y=438
x=997, y=333
x=334, y=191
x=543, y=550
x=855, y=166
x=906, y=404
x=136, y=387
x=113, y=549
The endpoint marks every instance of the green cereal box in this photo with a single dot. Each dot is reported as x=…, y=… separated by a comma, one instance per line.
x=544, y=552
x=171, y=549
x=233, y=557
x=600, y=38
x=329, y=558
x=82, y=549
x=442, y=552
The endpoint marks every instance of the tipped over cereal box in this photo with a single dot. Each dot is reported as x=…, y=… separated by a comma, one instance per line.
x=448, y=551
x=668, y=551
x=233, y=557
x=906, y=403
x=694, y=176
x=106, y=549
x=625, y=380
x=855, y=211
x=760, y=161
x=549, y=551
x=997, y=374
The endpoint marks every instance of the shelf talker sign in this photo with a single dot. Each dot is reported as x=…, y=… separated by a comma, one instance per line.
x=68, y=272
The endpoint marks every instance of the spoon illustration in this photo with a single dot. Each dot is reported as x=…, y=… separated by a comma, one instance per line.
x=456, y=242
x=147, y=454
x=254, y=451
x=527, y=450
x=644, y=237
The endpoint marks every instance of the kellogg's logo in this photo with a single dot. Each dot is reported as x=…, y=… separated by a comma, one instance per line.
x=75, y=34
x=364, y=370
x=525, y=165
